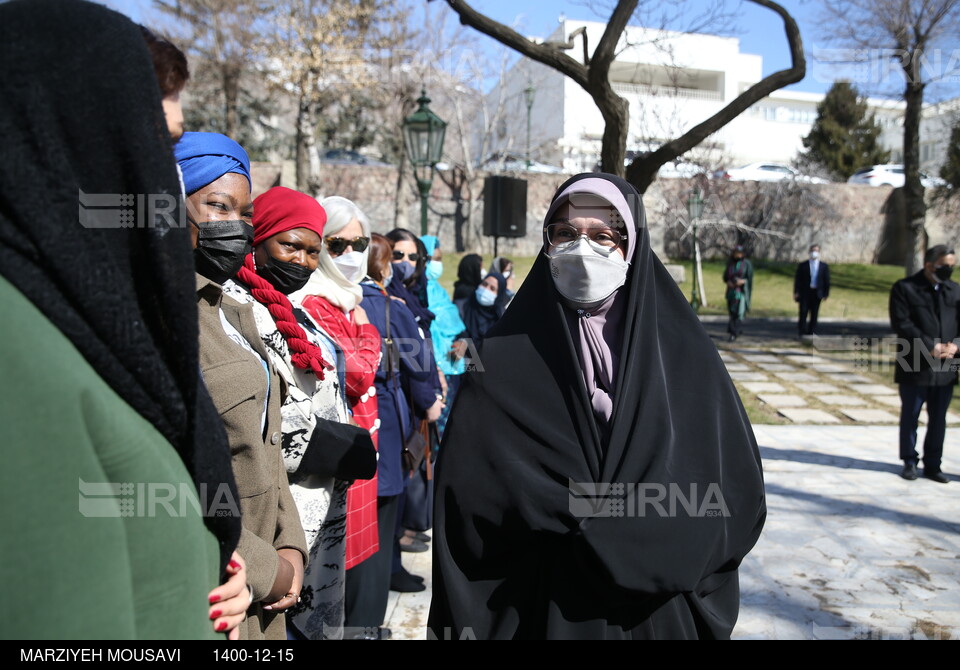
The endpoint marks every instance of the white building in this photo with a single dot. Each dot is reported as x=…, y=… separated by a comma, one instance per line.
x=672, y=81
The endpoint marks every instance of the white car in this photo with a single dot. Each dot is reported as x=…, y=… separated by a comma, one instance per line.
x=767, y=172
x=680, y=170
x=890, y=175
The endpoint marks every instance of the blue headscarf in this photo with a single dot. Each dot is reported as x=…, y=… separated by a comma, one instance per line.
x=205, y=157
x=430, y=242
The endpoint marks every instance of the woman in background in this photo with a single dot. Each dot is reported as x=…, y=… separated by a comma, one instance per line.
x=738, y=276
x=403, y=355
x=332, y=298
x=504, y=266
x=469, y=276
x=447, y=330
x=484, y=308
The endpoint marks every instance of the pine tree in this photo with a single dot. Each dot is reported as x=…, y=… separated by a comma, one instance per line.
x=950, y=172
x=844, y=137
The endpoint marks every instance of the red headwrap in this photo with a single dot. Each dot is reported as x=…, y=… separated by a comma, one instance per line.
x=281, y=209
x=277, y=211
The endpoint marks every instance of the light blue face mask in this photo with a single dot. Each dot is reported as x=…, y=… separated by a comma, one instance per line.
x=485, y=296
x=434, y=270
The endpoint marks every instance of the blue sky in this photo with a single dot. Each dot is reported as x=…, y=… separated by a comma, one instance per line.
x=760, y=32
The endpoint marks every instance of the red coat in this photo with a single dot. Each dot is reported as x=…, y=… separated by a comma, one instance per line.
x=361, y=348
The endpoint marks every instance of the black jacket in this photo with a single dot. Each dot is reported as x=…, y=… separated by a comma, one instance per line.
x=923, y=316
x=801, y=280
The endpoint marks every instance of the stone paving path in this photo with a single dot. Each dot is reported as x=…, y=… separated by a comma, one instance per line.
x=806, y=388
x=849, y=549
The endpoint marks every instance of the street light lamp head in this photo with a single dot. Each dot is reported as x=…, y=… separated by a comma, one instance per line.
x=528, y=94
x=423, y=135
x=695, y=204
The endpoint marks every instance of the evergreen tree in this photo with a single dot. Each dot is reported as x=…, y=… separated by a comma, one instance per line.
x=844, y=137
x=950, y=172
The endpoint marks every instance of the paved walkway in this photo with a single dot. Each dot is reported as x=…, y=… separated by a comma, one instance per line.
x=849, y=549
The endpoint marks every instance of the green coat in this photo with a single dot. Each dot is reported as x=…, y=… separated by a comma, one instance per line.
x=74, y=566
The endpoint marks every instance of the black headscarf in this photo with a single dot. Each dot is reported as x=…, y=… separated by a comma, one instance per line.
x=468, y=276
x=516, y=553
x=480, y=319
x=81, y=114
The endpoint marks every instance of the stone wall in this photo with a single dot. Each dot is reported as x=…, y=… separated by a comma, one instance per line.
x=775, y=221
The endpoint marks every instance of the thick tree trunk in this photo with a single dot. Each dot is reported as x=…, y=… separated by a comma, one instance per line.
x=616, y=117
x=915, y=207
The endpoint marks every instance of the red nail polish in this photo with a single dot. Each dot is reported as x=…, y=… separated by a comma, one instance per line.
x=234, y=565
x=215, y=614
x=214, y=598
x=222, y=626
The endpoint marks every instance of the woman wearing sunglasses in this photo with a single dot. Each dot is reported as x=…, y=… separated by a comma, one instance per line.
x=332, y=297
x=322, y=454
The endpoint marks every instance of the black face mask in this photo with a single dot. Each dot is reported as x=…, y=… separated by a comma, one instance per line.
x=221, y=248
x=285, y=276
x=943, y=272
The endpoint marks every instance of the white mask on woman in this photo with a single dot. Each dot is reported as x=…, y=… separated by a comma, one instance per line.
x=586, y=273
x=352, y=265
x=485, y=296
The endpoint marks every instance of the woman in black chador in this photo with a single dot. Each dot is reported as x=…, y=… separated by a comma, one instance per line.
x=598, y=477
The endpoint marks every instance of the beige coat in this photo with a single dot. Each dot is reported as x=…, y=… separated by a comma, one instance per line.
x=237, y=384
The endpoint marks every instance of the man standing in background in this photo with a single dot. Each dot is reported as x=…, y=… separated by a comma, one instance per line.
x=923, y=314
x=811, y=286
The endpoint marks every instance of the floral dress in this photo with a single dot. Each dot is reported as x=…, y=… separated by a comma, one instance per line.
x=321, y=501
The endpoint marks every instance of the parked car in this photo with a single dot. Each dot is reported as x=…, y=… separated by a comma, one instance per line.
x=767, y=172
x=890, y=175
x=675, y=169
x=348, y=157
x=503, y=161
x=680, y=170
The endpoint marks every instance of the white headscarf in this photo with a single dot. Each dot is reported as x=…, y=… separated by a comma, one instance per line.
x=327, y=281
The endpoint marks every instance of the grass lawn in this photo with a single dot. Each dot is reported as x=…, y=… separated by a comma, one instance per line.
x=856, y=291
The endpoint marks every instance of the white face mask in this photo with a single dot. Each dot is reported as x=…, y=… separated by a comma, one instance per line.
x=506, y=275
x=814, y=255
x=388, y=278
x=485, y=296
x=586, y=273
x=352, y=265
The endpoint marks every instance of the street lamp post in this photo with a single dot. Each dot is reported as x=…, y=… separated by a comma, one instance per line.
x=528, y=93
x=423, y=134
x=695, y=209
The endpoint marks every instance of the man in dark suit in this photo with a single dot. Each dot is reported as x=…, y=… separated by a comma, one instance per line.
x=811, y=286
x=923, y=313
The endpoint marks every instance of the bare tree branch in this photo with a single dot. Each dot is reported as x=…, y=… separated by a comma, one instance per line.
x=641, y=173
x=547, y=55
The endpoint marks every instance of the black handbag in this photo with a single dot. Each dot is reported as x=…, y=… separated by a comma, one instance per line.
x=418, y=506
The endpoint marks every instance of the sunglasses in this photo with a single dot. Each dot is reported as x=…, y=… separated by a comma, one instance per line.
x=337, y=245
x=399, y=256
